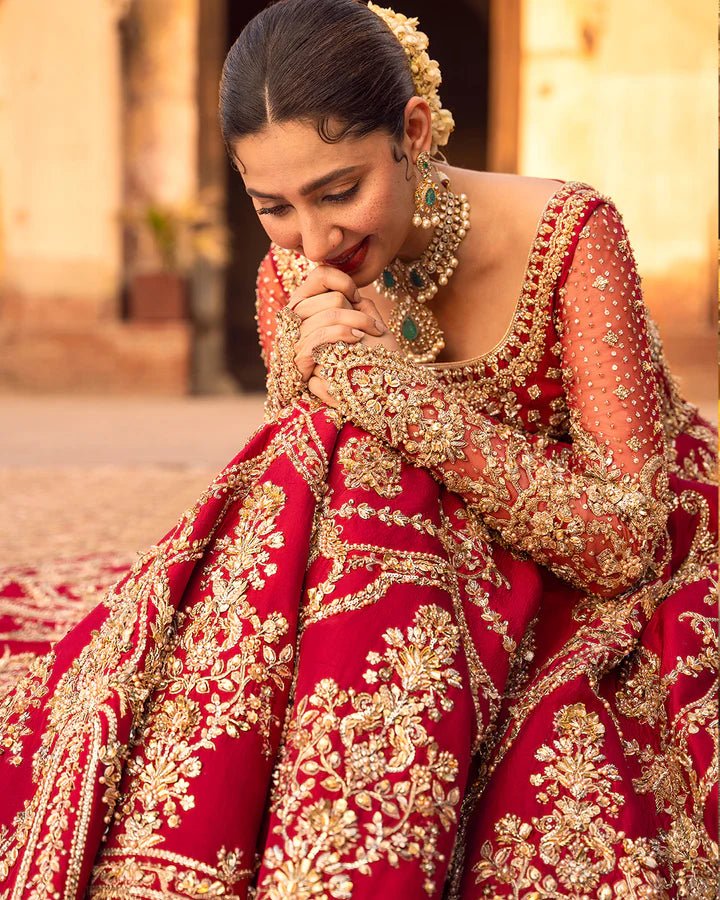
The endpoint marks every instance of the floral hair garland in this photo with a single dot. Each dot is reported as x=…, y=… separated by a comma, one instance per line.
x=425, y=71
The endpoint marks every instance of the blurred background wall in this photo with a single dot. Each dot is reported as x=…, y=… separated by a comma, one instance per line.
x=128, y=249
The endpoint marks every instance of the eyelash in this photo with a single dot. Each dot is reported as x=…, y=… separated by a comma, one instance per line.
x=331, y=198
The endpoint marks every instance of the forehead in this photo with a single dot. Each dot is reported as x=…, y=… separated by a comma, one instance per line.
x=282, y=157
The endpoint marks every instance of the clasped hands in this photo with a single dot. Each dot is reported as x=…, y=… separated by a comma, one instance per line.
x=332, y=309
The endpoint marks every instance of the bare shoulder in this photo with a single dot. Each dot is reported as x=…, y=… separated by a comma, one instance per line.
x=517, y=201
x=506, y=211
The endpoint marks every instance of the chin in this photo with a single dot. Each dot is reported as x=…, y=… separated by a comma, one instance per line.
x=374, y=266
x=366, y=280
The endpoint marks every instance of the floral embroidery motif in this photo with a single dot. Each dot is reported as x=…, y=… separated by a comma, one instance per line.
x=219, y=679
x=597, y=528
x=370, y=465
x=174, y=876
x=601, y=282
x=668, y=770
x=284, y=382
x=386, y=785
x=576, y=837
x=128, y=725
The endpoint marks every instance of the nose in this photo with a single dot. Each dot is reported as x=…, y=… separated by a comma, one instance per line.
x=320, y=240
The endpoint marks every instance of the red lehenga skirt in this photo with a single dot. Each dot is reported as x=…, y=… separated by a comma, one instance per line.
x=327, y=681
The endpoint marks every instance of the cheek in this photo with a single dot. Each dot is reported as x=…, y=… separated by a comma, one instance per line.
x=279, y=229
x=371, y=219
x=384, y=214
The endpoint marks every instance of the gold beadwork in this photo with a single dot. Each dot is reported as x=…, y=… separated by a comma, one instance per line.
x=410, y=285
x=284, y=381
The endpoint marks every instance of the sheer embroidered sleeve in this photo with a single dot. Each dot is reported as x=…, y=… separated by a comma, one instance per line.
x=592, y=509
x=278, y=330
x=270, y=298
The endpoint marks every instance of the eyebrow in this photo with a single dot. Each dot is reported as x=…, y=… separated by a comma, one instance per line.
x=308, y=188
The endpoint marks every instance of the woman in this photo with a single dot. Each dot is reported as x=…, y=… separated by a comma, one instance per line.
x=442, y=628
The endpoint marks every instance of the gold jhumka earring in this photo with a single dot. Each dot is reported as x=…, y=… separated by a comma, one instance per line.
x=426, y=195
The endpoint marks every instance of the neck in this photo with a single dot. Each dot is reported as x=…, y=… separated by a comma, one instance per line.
x=416, y=243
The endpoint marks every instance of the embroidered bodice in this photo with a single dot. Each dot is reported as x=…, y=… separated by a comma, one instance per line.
x=561, y=438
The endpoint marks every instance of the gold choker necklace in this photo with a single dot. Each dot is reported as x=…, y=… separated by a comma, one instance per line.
x=410, y=285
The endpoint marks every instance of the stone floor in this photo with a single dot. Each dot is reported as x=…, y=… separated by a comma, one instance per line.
x=109, y=474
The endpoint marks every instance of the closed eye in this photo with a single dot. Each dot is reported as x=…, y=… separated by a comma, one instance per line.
x=346, y=195
x=272, y=211
x=330, y=198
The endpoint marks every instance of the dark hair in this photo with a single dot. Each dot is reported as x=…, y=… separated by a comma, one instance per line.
x=315, y=61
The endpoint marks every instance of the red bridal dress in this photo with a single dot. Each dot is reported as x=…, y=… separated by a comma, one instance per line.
x=455, y=638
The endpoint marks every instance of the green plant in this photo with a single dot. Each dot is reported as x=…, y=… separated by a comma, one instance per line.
x=176, y=236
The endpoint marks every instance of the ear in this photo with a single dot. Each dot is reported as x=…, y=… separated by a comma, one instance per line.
x=418, y=127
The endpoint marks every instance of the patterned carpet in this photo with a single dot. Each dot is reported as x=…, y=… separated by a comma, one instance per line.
x=49, y=514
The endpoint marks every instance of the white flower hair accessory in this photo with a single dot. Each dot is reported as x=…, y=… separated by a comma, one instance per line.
x=425, y=71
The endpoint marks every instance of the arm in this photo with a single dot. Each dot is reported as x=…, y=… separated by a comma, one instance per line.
x=270, y=298
x=278, y=331
x=593, y=510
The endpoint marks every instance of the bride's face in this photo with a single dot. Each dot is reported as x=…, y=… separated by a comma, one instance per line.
x=348, y=204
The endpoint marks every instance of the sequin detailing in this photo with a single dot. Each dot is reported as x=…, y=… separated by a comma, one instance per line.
x=577, y=834
x=579, y=513
x=593, y=510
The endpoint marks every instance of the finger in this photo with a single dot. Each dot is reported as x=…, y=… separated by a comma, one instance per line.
x=330, y=334
x=334, y=316
x=318, y=387
x=367, y=305
x=310, y=306
x=321, y=280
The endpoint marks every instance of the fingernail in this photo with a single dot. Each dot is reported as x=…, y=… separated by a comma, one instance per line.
x=358, y=333
x=380, y=326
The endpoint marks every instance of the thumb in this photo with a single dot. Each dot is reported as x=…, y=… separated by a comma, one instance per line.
x=367, y=305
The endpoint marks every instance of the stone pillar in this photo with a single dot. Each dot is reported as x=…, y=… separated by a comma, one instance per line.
x=209, y=352
x=60, y=166
x=503, y=108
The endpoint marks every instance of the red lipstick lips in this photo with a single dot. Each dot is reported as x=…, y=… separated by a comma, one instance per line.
x=352, y=259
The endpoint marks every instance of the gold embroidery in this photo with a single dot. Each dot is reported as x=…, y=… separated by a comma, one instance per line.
x=370, y=465
x=219, y=678
x=105, y=689
x=598, y=530
x=487, y=382
x=669, y=770
x=387, y=515
x=284, y=381
x=576, y=838
x=601, y=282
x=61, y=591
x=292, y=268
x=380, y=731
x=29, y=689
x=165, y=874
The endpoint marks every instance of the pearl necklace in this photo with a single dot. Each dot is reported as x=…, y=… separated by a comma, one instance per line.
x=410, y=285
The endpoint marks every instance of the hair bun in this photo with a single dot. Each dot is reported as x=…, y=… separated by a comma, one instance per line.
x=425, y=72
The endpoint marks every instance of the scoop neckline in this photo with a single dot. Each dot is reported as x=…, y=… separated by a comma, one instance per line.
x=522, y=296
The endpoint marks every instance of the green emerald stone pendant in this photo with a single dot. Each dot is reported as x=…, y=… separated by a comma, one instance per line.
x=431, y=197
x=388, y=279
x=416, y=279
x=409, y=329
